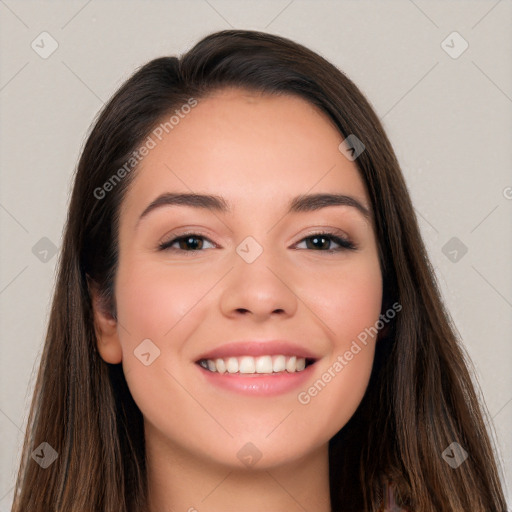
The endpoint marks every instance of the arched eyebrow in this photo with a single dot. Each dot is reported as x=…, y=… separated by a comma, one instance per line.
x=302, y=203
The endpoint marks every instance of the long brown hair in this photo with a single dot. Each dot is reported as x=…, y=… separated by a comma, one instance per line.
x=420, y=398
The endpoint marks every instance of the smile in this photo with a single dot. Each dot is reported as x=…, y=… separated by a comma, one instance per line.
x=265, y=364
x=264, y=376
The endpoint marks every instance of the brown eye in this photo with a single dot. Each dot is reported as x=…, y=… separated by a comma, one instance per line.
x=321, y=242
x=189, y=242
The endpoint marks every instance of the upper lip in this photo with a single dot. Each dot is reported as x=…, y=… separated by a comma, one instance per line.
x=258, y=348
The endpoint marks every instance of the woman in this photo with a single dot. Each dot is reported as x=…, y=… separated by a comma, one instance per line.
x=245, y=316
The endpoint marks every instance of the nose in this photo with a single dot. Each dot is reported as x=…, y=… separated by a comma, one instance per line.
x=259, y=289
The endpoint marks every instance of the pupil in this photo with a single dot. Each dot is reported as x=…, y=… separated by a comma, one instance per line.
x=316, y=238
x=189, y=241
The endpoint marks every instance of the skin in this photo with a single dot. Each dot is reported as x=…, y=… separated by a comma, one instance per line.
x=257, y=151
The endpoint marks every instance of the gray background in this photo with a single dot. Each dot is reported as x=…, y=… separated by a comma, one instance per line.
x=448, y=118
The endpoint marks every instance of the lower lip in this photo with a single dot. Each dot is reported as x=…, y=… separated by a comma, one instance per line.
x=258, y=384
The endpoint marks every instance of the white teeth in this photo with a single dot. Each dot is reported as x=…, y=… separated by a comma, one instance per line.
x=251, y=365
x=264, y=364
x=221, y=365
x=279, y=364
x=247, y=365
x=291, y=364
x=232, y=365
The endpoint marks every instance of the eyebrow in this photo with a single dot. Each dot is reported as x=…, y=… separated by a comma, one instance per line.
x=302, y=203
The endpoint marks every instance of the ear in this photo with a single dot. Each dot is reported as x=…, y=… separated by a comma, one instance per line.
x=105, y=326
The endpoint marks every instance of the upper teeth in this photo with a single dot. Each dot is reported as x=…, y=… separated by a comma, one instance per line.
x=248, y=364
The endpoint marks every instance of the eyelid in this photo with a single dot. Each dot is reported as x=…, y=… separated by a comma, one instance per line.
x=324, y=230
x=346, y=244
x=180, y=232
x=191, y=230
x=345, y=241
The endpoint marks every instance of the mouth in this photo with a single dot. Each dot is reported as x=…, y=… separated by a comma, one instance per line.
x=257, y=368
x=263, y=376
x=261, y=365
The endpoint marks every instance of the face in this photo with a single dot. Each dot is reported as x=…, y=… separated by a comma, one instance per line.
x=255, y=272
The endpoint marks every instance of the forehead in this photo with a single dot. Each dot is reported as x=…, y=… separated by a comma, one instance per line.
x=254, y=149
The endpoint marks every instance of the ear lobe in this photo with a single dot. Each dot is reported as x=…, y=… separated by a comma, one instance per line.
x=105, y=327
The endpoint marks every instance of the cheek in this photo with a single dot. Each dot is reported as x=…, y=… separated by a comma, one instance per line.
x=349, y=300
x=152, y=299
x=350, y=312
x=158, y=303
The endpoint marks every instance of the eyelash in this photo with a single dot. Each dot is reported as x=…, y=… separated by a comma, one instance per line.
x=345, y=243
